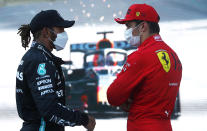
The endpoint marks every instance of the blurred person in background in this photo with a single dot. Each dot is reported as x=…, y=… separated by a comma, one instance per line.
x=40, y=84
x=149, y=82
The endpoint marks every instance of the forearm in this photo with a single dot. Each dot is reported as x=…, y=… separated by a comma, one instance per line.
x=66, y=117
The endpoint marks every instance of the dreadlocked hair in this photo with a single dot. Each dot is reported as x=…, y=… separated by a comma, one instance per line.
x=24, y=32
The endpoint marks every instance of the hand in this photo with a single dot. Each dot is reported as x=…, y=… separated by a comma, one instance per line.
x=91, y=123
x=126, y=105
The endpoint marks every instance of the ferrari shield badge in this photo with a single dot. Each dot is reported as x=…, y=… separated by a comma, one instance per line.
x=41, y=69
x=164, y=60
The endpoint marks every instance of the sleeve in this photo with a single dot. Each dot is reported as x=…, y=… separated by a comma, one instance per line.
x=41, y=81
x=121, y=88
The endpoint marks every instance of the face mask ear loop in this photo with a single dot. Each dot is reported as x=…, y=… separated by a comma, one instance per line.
x=51, y=30
x=137, y=26
x=51, y=41
x=141, y=27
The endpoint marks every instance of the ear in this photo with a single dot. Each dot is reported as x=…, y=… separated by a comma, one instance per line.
x=145, y=27
x=45, y=32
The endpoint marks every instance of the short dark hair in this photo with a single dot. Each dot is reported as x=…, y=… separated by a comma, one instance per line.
x=154, y=27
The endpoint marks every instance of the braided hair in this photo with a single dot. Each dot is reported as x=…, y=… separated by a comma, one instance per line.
x=24, y=32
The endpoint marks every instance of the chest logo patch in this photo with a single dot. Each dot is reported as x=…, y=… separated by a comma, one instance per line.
x=164, y=60
x=41, y=69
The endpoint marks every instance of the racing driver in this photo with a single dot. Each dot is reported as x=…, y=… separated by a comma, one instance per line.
x=40, y=83
x=149, y=82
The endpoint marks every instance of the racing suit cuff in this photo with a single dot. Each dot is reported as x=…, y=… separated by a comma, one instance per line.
x=84, y=119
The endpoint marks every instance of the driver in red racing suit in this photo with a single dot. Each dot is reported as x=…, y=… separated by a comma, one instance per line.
x=149, y=82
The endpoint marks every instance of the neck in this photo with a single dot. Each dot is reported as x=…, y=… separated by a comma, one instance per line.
x=46, y=43
x=146, y=36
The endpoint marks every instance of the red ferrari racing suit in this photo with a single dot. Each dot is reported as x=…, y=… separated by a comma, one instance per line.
x=151, y=78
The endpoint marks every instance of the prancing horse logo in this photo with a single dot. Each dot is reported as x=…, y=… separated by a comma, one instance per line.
x=164, y=60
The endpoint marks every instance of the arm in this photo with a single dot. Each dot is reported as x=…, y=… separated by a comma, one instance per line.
x=41, y=81
x=126, y=105
x=131, y=75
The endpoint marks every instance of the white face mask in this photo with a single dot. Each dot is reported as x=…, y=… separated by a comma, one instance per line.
x=60, y=41
x=132, y=40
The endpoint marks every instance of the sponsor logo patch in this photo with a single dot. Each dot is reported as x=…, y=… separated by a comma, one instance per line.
x=128, y=11
x=125, y=67
x=164, y=60
x=137, y=14
x=21, y=62
x=46, y=81
x=47, y=92
x=157, y=38
x=19, y=75
x=42, y=77
x=41, y=69
x=60, y=121
x=173, y=84
x=19, y=91
x=45, y=87
x=59, y=93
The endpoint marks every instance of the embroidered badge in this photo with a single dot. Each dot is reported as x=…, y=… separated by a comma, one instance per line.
x=164, y=60
x=41, y=69
x=137, y=13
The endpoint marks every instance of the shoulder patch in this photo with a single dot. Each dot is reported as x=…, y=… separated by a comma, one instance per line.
x=164, y=60
x=41, y=69
x=157, y=38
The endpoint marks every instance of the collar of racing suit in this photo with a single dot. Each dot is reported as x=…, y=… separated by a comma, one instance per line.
x=41, y=47
x=155, y=37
